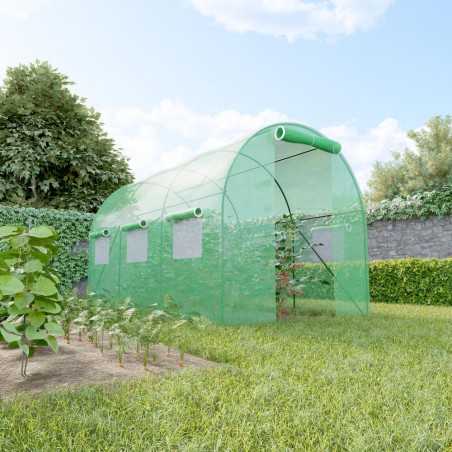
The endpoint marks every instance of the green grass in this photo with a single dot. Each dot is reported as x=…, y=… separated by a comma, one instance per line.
x=375, y=383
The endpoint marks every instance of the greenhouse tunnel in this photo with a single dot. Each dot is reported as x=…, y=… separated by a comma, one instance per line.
x=205, y=233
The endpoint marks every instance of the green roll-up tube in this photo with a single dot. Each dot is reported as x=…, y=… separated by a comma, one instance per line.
x=101, y=233
x=283, y=133
x=185, y=214
x=130, y=227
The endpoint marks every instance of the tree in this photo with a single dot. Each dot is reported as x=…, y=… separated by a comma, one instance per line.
x=429, y=168
x=53, y=150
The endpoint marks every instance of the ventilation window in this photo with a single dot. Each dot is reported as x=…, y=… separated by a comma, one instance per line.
x=187, y=239
x=137, y=245
x=102, y=250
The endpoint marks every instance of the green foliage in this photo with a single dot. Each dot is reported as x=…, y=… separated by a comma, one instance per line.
x=414, y=281
x=122, y=322
x=53, y=150
x=373, y=383
x=438, y=202
x=72, y=228
x=29, y=294
x=291, y=276
x=427, y=169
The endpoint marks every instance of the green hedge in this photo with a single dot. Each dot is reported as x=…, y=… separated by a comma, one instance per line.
x=414, y=281
x=72, y=227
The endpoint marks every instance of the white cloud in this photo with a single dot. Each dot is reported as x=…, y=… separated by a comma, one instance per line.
x=171, y=133
x=363, y=149
x=183, y=132
x=295, y=19
x=21, y=9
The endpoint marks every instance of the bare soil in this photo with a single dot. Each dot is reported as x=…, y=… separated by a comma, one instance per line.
x=81, y=363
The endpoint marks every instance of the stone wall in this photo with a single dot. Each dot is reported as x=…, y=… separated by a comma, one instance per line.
x=399, y=239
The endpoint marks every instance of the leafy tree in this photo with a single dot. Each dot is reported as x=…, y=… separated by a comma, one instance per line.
x=53, y=150
x=429, y=168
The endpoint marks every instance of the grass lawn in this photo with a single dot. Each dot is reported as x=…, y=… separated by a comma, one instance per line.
x=381, y=382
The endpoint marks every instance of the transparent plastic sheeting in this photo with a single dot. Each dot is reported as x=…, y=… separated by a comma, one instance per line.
x=222, y=263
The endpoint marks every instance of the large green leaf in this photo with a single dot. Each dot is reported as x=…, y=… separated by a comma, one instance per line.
x=23, y=299
x=10, y=328
x=24, y=348
x=33, y=334
x=41, y=232
x=47, y=306
x=41, y=253
x=14, y=310
x=35, y=265
x=10, y=285
x=36, y=318
x=54, y=328
x=50, y=273
x=43, y=286
x=52, y=342
x=9, y=337
x=19, y=240
x=6, y=231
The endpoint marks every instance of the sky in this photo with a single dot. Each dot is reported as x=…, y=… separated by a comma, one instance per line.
x=178, y=77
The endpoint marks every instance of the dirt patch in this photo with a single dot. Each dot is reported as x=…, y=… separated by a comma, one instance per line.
x=81, y=363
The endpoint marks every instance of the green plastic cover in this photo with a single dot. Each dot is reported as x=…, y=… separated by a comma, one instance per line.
x=221, y=263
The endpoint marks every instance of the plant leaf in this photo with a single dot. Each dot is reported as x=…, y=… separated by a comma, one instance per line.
x=47, y=306
x=8, y=336
x=10, y=328
x=36, y=318
x=24, y=348
x=33, y=266
x=41, y=232
x=23, y=299
x=6, y=231
x=54, y=328
x=14, y=310
x=52, y=343
x=10, y=285
x=32, y=334
x=43, y=286
x=19, y=241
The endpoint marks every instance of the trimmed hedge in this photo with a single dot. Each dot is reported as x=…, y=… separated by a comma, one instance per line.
x=412, y=280
x=72, y=227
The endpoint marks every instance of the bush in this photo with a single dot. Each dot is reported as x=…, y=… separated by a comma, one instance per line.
x=422, y=205
x=72, y=228
x=413, y=281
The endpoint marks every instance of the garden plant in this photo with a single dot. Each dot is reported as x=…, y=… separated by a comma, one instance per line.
x=29, y=303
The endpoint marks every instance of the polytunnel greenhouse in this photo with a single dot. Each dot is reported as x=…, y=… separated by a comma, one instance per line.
x=207, y=232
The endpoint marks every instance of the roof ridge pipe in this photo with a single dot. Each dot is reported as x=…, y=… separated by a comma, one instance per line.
x=292, y=135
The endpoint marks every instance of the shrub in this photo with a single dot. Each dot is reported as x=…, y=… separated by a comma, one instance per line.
x=414, y=281
x=437, y=202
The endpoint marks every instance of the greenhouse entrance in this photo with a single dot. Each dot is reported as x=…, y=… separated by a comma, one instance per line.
x=204, y=233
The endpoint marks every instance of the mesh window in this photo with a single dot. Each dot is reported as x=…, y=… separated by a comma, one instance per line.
x=187, y=239
x=329, y=243
x=137, y=245
x=102, y=251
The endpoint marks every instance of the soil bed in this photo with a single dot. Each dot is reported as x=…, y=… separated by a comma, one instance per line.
x=81, y=363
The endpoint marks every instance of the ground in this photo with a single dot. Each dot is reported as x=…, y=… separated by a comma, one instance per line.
x=80, y=363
